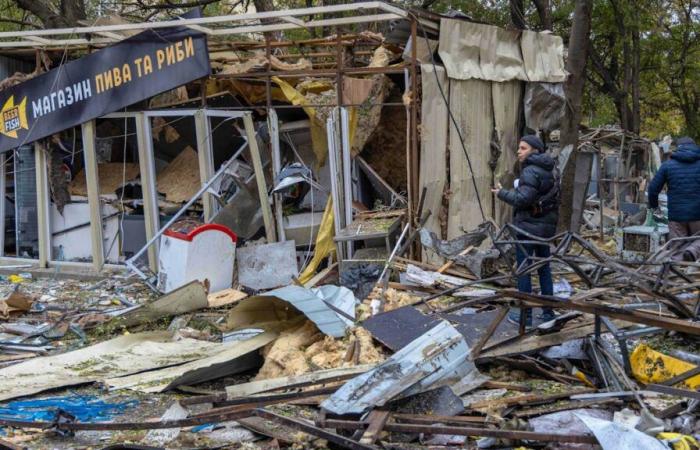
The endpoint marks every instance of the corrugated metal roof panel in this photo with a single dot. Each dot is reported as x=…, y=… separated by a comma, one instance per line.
x=320, y=305
x=440, y=357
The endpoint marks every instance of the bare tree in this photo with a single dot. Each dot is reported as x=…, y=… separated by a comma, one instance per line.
x=573, y=88
x=66, y=14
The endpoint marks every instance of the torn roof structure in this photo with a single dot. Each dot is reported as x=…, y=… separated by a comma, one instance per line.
x=331, y=308
x=440, y=357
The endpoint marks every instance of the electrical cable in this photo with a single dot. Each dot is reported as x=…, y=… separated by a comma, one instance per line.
x=452, y=117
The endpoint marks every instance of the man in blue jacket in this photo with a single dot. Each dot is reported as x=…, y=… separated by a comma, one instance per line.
x=681, y=176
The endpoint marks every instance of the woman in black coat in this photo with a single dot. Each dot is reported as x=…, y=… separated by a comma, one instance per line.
x=535, y=202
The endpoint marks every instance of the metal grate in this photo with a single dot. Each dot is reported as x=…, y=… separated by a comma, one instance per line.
x=634, y=242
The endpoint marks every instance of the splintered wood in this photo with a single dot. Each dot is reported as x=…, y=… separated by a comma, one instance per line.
x=179, y=181
x=110, y=177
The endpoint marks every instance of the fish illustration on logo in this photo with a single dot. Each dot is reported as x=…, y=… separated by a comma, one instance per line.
x=14, y=117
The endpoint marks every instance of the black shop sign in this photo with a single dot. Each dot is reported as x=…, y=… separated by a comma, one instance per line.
x=108, y=80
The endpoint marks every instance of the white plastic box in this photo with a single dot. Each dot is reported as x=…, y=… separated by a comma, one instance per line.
x=207, y=252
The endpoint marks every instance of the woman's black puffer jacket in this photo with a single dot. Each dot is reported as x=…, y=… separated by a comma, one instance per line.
x=536, y=183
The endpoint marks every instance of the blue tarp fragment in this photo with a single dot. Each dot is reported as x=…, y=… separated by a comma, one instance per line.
x=86, y=408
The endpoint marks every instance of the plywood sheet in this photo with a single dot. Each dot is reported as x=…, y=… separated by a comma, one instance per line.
x=433, y=151
x=507, y=107
x=111, y=176
x=179, y=181
x=225, y=297
x=471, y=103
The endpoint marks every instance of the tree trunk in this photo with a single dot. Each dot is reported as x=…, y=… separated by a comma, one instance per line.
x=545, y=13
x=50, y=17
x=691, y=114
x=636, y=88
x=517, y=14
x=267, y=5
x=573, y=88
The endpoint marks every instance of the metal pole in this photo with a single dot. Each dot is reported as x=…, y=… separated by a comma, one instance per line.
x=206, y=158
x=347, y=174
x=2, y=203
x=259, y=177
x=147, y=170
x=42, y=205
x=274, y=129
x=335, y=188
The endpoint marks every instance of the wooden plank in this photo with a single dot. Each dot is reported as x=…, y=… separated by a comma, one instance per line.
x=93, y=191
x=668, y=323
x=307, y=379
x=476, y=349
x=188, y=298
x=284, y=434
x=259, y=177
x=682, y=377
x=225, y=297
x=536, y=342
x=526, y=399
x=377, y=419
x=449, y=263
x=320, y=276
x=695, y=395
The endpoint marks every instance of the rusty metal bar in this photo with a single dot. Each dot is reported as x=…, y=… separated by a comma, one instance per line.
x=467, y=431
x=310, y=429
x=695, y=395
x=668, y=323
x=315, y=73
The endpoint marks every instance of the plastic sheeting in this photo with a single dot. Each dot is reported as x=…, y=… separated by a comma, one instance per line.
x=85, y=408
x=324, y=243
x=544, y=105
x=614, y=436
x=650, y=366
x=433, y=160
x=485, y=52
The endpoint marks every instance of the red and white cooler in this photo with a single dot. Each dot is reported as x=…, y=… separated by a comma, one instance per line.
x=205, y=252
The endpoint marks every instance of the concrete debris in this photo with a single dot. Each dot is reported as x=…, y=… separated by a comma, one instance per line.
x=267, y=266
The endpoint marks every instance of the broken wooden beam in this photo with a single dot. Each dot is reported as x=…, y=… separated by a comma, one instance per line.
x=377, y=419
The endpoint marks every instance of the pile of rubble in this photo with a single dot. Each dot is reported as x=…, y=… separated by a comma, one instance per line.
x=426, y=358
